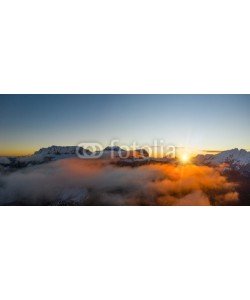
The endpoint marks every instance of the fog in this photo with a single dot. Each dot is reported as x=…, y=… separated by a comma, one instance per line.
x=81, y=182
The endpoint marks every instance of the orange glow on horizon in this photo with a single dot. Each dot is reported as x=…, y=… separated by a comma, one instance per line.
x=17, y=152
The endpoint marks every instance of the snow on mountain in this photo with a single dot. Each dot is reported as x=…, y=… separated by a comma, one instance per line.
x=56, y=150
x=235, y=158
x=4, y=161
x=48, y=154
x=241, y=157
x=41, y=156
x=112, y=152
x=61, y=152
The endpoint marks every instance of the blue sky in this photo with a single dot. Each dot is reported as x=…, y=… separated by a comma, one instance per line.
x=211, y=122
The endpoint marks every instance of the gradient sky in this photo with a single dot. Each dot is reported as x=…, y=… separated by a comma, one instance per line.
x=211, y=122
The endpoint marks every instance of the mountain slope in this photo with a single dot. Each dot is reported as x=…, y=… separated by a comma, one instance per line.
x=235, y=159
x=61, y=152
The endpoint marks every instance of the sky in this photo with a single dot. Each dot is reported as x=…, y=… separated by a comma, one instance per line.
x=208, y=122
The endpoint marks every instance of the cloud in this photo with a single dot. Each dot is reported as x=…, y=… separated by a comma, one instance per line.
x=97, y=182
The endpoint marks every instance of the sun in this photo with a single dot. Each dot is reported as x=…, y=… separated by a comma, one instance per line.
x=184, y=158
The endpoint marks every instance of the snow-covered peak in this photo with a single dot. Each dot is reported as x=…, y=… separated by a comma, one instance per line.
x=56, y=150
x=234, y=157
x=41, y=156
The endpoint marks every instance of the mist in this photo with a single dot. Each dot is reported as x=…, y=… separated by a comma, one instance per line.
x=97, y=182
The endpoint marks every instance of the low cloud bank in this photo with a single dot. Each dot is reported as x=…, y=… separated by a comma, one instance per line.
x=75, y=181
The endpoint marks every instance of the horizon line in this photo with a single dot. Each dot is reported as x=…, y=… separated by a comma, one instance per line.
x=32, y=153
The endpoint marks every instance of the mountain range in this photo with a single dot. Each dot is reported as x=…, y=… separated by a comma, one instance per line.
x=53, y=153
x=235, y=159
